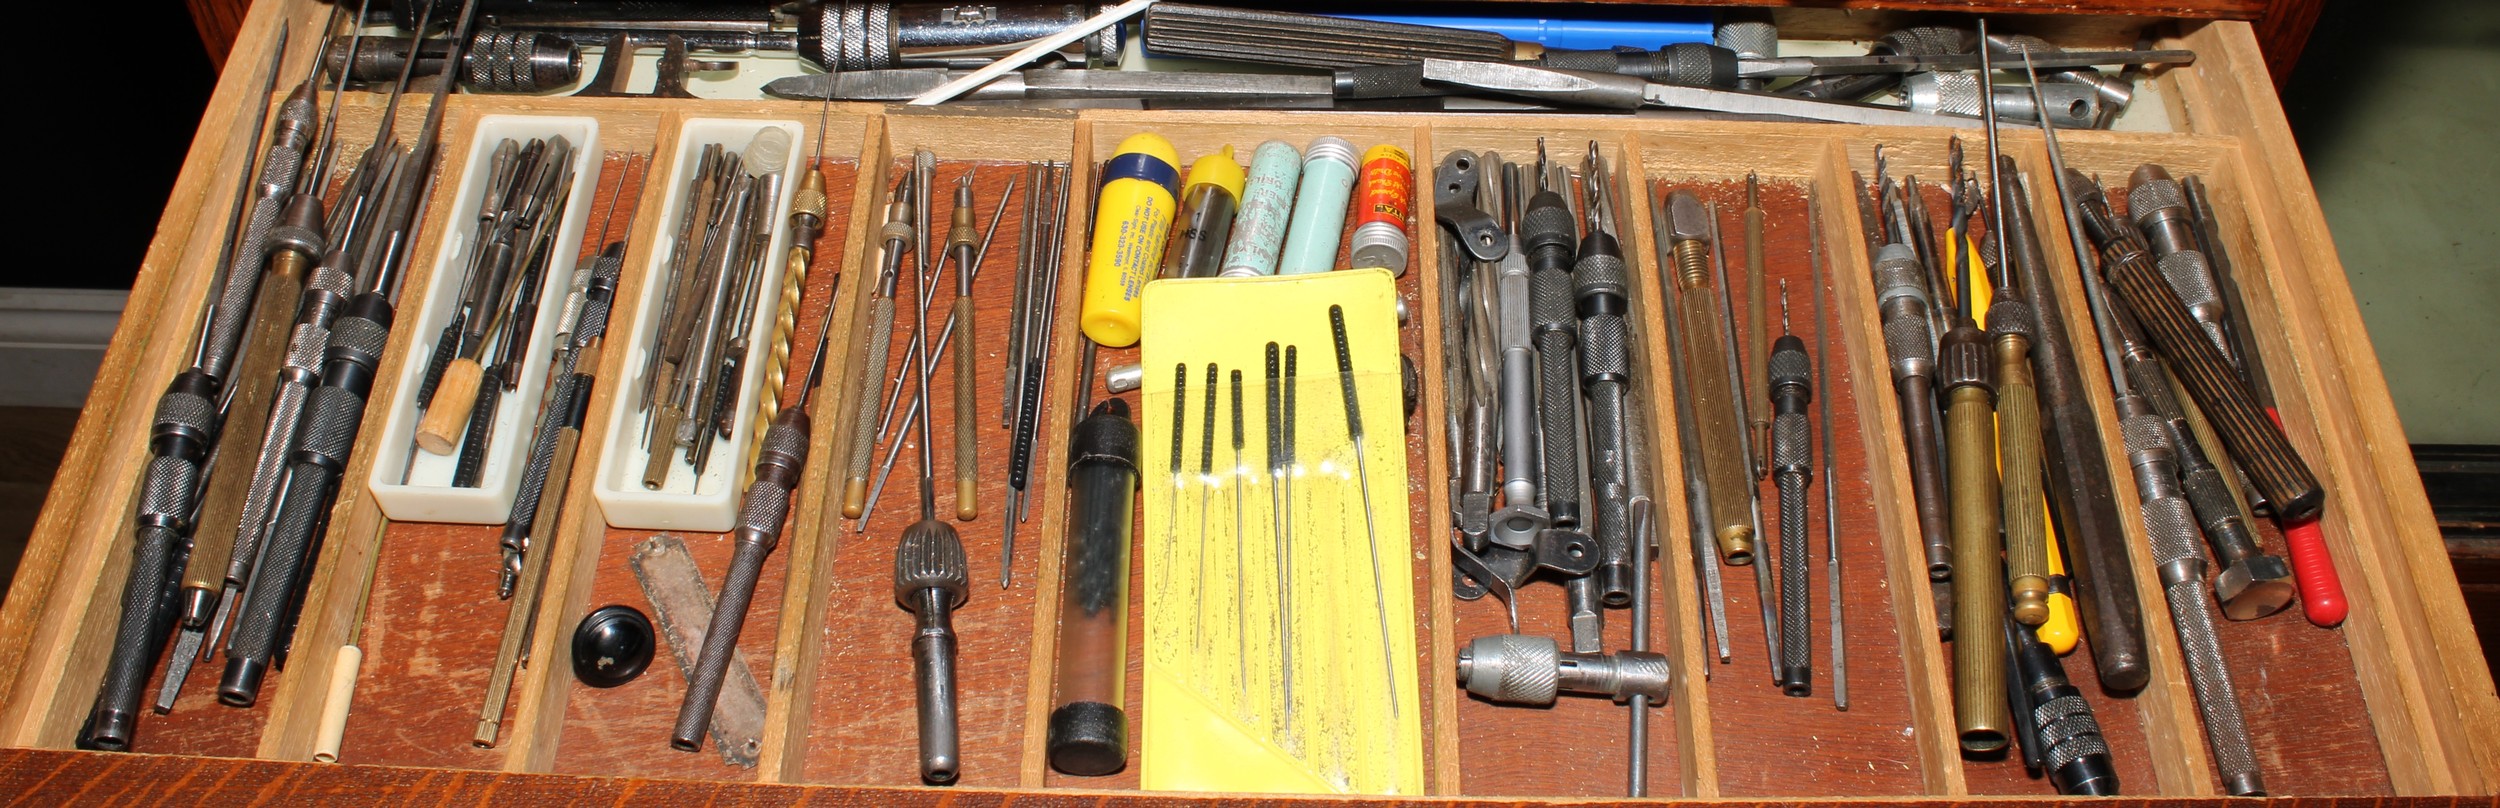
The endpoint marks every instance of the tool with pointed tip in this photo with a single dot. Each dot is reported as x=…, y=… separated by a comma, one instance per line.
x=1823, y=427
x=529, y=532
x=959, y=246
x=2012, y=331
x=1728, y=356
x=931, y=580
x=894, y=238
x=808, y=208
x=1968, y=376
x=1604, y=341
x=1757, y=335
x=334, y=255
x=334, y=412
x=1362, y=478
x=183, y=437
x=1613, y=91
x=2161, y=213
x=2103, y=574
x=1789, y=372
x=753, y=538
x=919, y=408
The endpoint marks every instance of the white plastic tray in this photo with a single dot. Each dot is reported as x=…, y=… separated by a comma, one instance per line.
x=425, y=494
x=684, y=502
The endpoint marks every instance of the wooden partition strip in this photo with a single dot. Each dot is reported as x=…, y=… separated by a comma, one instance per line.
x=2433, y=697
x=1441, y=649
x=1860, y=331
x=812, y=538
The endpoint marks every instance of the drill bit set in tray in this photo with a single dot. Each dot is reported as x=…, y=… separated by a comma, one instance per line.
x=1637, y=358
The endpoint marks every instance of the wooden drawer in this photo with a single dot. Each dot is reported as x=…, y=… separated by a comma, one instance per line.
x=2397, y=701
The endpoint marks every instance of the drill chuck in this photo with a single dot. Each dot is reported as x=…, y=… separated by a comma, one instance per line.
x=1521, y=669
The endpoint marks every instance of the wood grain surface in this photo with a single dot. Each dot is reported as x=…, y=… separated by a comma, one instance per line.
x=52, y=777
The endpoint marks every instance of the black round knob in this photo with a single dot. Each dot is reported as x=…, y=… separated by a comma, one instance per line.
x=612, y=646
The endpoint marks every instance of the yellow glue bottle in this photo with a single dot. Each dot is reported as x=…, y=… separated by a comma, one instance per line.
x=1132, y=218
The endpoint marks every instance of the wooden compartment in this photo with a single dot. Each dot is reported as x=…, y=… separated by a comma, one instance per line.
x=2395, y=702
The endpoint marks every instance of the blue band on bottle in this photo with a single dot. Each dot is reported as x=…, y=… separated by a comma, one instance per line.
x=1142, y=166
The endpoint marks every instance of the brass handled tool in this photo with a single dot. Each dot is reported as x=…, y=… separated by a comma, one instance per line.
x=1715, y=423
x=1696, y=488
x=2084, y=503
x=182, y=440
x=1962, y=364
x=1789, y=374
x=1757, y=332
x=1744, y=449
x=527, y=551
x=959, y=246
x=894, y=238
x=2012, y=329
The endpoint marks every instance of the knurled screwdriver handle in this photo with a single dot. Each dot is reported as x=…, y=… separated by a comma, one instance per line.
x=864, y=422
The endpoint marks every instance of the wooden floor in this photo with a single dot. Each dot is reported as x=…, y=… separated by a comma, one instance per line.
x=31, y=442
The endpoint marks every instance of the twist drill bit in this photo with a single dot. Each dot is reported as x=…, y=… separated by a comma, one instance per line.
x=2161, y=212
x=1716, y=426
x=335, y=410
x=1757, y=325
x=1523, y=669
x=1902, y=299
x=808, y=207
x=1979, y=593
x=2087, y=510
x=1598, y=289
x=1792, y=464
x=183, y=437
